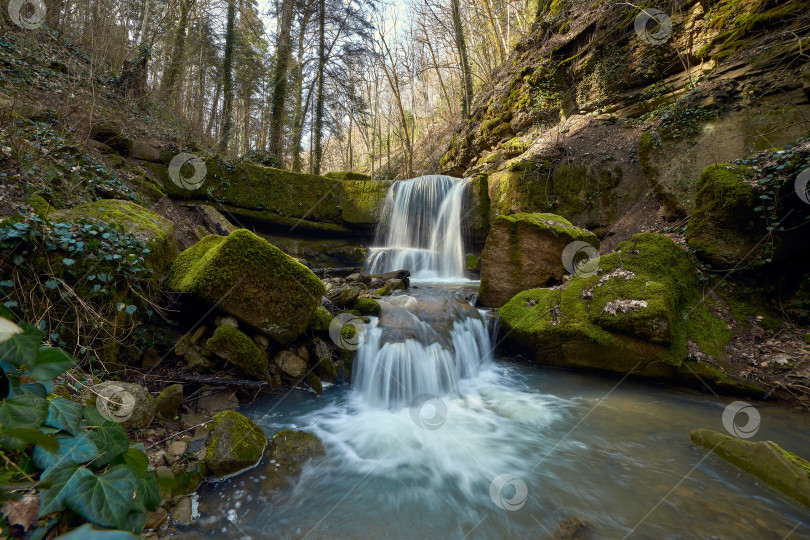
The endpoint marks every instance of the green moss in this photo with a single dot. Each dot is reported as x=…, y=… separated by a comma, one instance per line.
x=251, y=279
x=40, y=206
x=148, y=187
x=806, y=338
x=314, y=382
x=321, y=319
x=723, y=228
x=362, y=200
x=156, y=231
x=347, y=175
x=367, y=306
x=234, y=443
x=552, y=222
x=240, y=350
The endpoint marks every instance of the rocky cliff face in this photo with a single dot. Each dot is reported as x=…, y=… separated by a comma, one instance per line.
x=596, y=111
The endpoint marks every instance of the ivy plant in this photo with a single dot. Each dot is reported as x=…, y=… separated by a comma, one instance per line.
x=80, y=463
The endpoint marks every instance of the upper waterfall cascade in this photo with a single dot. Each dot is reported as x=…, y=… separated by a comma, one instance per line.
x=421, y=229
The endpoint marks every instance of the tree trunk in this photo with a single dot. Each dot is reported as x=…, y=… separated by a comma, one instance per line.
x=227, y=80
x=280, y=81
x=316, y=161
x=461, y=45
x=173, y=73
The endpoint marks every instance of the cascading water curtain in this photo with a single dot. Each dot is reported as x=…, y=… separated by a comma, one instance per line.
x=421, y=229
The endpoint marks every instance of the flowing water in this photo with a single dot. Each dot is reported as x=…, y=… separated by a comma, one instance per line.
x=435, y=438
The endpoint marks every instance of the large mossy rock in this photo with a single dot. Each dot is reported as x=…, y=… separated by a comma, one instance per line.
x=524, y=251
x=637, y=313
x=723, y=228
x=238, y=349
x=234, y=443
x=747, y=216
x=778, y=468
x=155, y=231
x=284, y=198
x=252, y=280
x=291, y=450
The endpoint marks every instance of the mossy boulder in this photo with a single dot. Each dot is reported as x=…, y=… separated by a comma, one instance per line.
x=391, y=285
x=252, y=280
x=366, y=306
x=320, y=320
x=723, y=228
x=362, y=200
x=291, y=450
x=234, y=443
x=169, y=400
x=112, y=136
x=155, y=231
x=766, y=460
x=637, y=313
x=238, y=349
x=344, y=296
x=347, y=175
x=524, y=251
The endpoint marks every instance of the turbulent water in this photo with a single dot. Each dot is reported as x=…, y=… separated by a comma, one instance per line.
x=436, y=439
x=421, y=229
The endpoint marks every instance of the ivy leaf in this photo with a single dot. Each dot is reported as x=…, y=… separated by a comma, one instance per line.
x=52, y=498
x=133, y=458
x=50, y=363
x=79, y=449
x=130, y=309
x=68, y=262
x=64, y=414
x=104, y=500
x=151, y=493
x=24, y=411
x=21, y=348
x=111, y=440
x=32, y=436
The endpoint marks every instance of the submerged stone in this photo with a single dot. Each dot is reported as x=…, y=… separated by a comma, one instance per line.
x=291, y=450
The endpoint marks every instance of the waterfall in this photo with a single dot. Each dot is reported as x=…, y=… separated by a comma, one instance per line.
x=421, y=229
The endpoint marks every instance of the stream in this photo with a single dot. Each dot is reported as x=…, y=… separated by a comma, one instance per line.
x=437, y=437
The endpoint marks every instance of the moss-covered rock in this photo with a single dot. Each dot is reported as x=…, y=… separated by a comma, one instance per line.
x=252, y=280
x=40, y=206
x=637, y=314
x=723, y=228
x=238, y=349
x=156, y=231
x=362, y=200
x=391, y=285
x=291, y=450
x=234, y=443
x=169, y=400
x=347, y=175
x=766, y=460
x=524, y=251
x=112, y=136
x=320, y=320
x=344, y=296
x=367, y=306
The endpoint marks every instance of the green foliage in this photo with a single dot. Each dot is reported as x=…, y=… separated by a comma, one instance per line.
x=85, y=463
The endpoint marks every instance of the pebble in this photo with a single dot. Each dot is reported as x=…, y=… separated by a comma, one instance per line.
x=178, y=448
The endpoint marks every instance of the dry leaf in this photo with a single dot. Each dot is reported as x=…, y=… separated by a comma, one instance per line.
x=23, y=512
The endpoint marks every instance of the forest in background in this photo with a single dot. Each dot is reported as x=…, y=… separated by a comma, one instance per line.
x=321, y=85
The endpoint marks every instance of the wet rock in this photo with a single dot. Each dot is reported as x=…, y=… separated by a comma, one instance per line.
x=290, y=451
x=569, y=529
x=169, y=400
x=360, y=277
x=291, y=365
x=181, y=513
x=344, y=297
x=234, y=443
x=321, y=319
x=261, y=341
x=391, y=285
x=323, y=356
x=366, y=306
x=397, y=274
x=766, y=460
x=226, y=321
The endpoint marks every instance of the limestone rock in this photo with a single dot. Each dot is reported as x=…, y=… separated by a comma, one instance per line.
x=130, y=404
x=524, y=251
x=291, y=364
